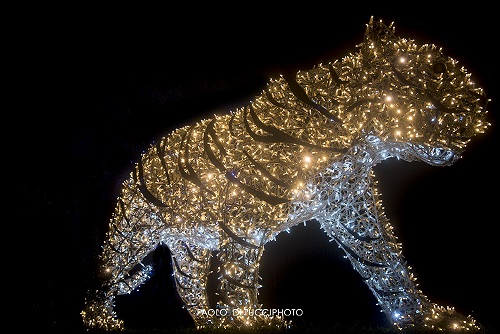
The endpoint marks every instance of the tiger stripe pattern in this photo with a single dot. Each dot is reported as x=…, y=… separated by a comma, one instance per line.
x=304, y=149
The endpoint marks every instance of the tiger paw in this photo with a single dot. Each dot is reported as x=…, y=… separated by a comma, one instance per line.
x=99, y=315
x=446, y=318
x=242, y=319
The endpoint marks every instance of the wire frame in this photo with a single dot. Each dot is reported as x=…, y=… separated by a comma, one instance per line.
x=304, y=149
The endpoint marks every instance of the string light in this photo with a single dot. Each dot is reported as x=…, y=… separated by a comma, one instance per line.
x=303, y=149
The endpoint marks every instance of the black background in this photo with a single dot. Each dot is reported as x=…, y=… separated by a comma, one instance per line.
x=94, y=87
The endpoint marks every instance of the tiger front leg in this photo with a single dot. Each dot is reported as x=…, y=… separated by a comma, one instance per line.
x=362, y=233
x=358, y=225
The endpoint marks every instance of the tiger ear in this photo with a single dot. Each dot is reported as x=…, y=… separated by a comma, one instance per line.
x=377, y=31
x=378, y=38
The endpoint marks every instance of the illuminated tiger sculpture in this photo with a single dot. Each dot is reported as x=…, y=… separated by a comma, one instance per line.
x=304, y=149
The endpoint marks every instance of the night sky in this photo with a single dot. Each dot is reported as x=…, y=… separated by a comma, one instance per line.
x=96, y=88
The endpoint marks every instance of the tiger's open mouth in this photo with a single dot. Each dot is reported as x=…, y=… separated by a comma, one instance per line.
x=436, y=156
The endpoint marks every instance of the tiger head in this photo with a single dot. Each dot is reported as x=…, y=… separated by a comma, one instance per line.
x=419, y=97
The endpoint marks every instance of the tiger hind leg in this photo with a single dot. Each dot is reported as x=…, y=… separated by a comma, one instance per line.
x=134, y=232
x=99, y=307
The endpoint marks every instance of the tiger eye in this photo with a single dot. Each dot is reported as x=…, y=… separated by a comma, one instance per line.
x=439, y=67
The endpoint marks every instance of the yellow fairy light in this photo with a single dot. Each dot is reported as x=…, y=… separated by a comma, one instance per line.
x=305, y=149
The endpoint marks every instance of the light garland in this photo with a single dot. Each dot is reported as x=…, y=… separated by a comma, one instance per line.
x=304, y=149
